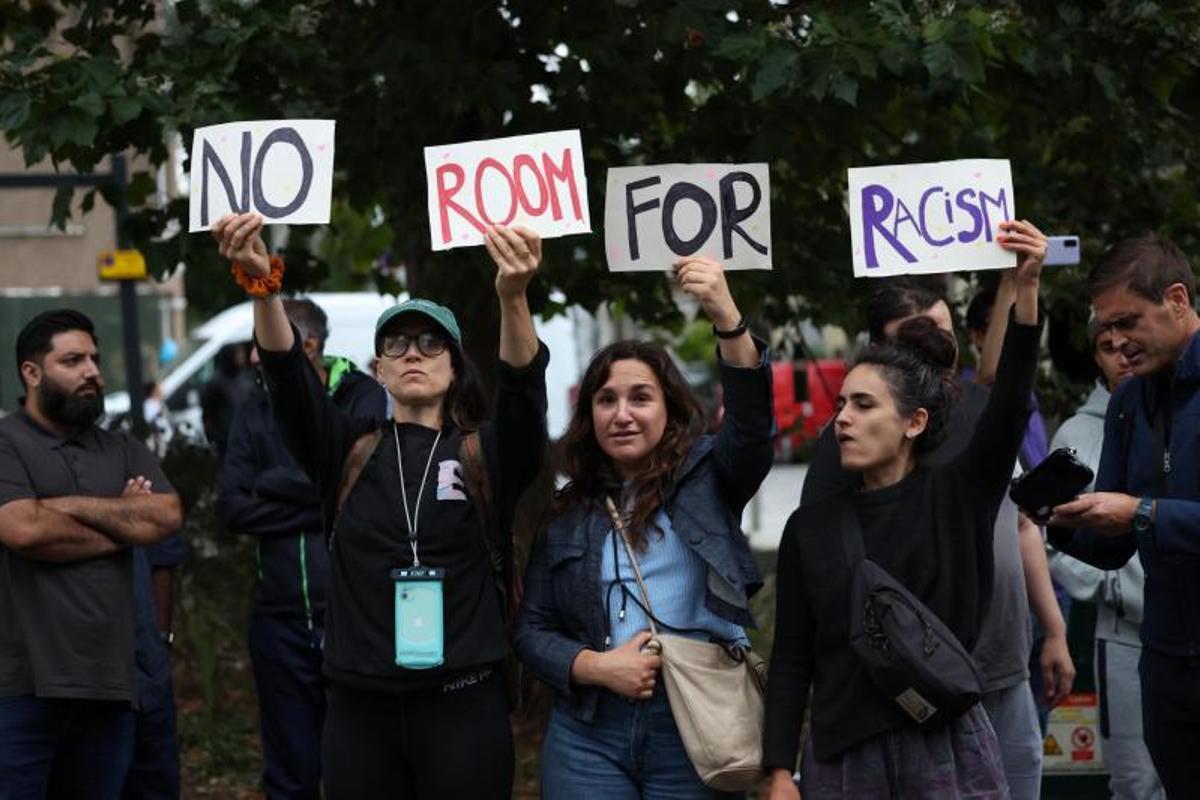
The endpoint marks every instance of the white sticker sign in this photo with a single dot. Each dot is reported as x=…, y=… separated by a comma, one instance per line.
x=281, y=168
x=936, y=217
x=536, y=181
x=653, y=216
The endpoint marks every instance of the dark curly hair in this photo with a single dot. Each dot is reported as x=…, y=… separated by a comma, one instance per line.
x=918, y=367
x=591, y=473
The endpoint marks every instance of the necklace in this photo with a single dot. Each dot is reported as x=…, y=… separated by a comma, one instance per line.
x=412, y=519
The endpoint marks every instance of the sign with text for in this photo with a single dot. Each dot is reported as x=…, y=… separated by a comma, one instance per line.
x=653, y=216
x=281, y=168
x=536, y=181
x=936, y=217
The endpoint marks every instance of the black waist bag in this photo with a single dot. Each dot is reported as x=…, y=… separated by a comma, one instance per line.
x=909, y=654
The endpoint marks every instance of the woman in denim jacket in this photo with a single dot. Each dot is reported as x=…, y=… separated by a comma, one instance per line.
x=636, y=436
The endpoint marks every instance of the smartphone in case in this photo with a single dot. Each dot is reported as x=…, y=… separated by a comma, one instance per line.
x=1062, y=250
x=1058, y=479
x=419, y=629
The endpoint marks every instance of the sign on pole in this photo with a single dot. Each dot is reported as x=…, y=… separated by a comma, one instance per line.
x=653, y=216
x=936, y=217
x=536, y=181
x=281, y=168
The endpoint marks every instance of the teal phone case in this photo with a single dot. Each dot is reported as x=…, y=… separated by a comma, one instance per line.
x=419, y=634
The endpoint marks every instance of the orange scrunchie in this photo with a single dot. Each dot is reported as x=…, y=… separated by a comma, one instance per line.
x=260, y=287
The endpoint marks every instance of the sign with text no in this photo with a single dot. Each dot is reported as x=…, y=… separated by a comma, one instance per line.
x=653, y=216
x=936, y=217
x=281, y=168
x=536, y=181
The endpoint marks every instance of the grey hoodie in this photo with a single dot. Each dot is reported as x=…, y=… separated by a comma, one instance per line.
x=1118, y=593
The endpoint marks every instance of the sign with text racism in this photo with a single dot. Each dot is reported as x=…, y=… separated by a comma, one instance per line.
x=281, y=168
x=536, y=181
x=653, y=216
x=936, y=217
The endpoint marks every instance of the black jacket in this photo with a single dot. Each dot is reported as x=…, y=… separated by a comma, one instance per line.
x=265, y=493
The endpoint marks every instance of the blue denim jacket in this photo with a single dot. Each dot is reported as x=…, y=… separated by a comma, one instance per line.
x=1170, y=549
x=562, y=611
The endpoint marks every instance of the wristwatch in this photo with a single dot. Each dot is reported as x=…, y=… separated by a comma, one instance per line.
x=1142, y=519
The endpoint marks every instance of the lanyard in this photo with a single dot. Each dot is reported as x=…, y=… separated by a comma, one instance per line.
x=412, y=520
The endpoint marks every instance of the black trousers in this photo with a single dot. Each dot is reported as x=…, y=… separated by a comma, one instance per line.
x=1171, y=720
x=437, y=744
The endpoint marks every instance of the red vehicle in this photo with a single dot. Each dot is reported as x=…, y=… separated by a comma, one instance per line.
x=805, y=399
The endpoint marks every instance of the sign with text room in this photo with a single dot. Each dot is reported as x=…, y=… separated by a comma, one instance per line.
x=937, y=217
x=536, y=181
x=653, y=216
x=281, y=168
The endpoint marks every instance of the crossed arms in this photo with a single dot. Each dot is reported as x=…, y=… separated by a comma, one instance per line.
x=77, y=528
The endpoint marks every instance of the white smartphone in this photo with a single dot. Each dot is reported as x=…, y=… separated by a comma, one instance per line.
x=1062, y=250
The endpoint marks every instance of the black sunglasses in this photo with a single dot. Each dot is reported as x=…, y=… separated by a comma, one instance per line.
x=430, y=343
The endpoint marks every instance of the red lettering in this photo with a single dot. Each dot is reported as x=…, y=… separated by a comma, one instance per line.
x=512, y=194
x=564, y=171
x=525, y=160
x=445, y=201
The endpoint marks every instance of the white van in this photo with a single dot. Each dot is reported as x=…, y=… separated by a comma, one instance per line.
x=352, y=318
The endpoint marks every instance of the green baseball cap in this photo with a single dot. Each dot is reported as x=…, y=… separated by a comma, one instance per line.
x=427, y=308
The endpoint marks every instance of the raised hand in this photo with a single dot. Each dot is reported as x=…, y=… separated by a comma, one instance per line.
x=704, y=279
x=239, y=238
x=1024, y=239
x=517, y=253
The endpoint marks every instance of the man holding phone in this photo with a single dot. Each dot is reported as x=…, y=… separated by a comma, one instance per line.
x=1147, y=501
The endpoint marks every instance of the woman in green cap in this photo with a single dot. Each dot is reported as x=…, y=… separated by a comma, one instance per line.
x=415, y=625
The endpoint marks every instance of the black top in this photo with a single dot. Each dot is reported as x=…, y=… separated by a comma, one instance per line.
x=372, y=536
x=932, y=531
x=67, y=630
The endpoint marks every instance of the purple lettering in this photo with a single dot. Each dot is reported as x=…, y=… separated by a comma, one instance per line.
x=924, y=226
x=961, y=200
x=874, y=214
x=1001, y=204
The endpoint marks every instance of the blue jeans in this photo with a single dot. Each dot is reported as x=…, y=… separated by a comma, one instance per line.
x=291, y=704
x=629, y=751
x=59, y=748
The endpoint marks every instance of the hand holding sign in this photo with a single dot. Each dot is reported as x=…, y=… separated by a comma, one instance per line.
x=704, y=279
x=518, y=254
x=239, y=238
x=1024, y=239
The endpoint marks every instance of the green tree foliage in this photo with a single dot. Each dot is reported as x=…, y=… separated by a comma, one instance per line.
x=1094, y=102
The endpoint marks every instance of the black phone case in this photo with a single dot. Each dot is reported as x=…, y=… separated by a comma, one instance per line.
x=1058, y=479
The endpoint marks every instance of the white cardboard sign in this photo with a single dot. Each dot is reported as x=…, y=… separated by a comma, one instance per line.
x=537, y=181
x=653, y=216
x=281, y=168
x=937, y=217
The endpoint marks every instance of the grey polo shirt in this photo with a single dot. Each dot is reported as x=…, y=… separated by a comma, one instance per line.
x=67, y=630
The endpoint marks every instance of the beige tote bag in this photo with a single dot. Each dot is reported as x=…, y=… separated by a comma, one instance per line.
x=716, y=694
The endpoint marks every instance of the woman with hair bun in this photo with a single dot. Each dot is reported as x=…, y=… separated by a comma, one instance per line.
x=930, y=528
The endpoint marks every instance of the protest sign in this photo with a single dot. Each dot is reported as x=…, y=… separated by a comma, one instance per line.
x=937, y=217
x=653, y=216
x=281, y=168
x=537, y=181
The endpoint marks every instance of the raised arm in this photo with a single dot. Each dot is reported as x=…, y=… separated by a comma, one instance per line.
x=518, y=254
x=318, y=435
x=993, y=340
x=745, y=443
x=989, y=457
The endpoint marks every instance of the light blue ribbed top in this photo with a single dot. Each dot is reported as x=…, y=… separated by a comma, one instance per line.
x=675, y=578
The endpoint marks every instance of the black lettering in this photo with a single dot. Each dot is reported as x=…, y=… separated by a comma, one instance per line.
x=286, y=136
x=731, y=215
x=708, y=217
x=209, y=156
x=631, y=211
